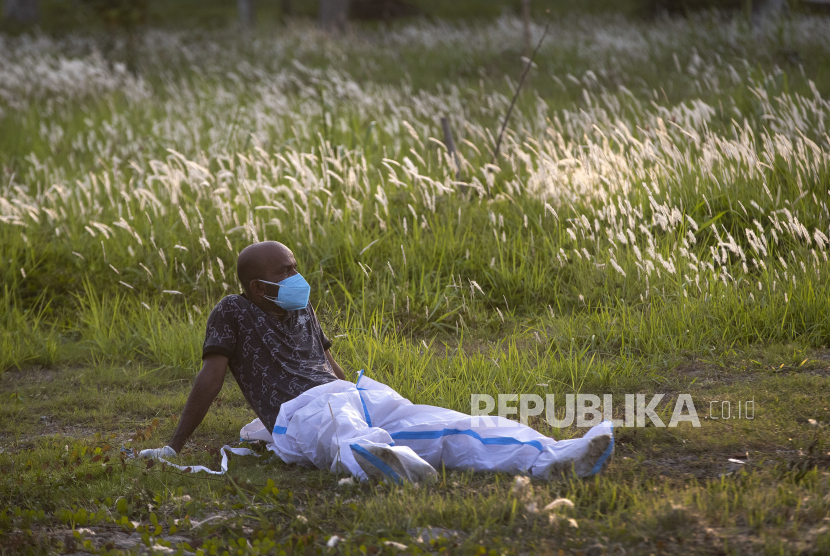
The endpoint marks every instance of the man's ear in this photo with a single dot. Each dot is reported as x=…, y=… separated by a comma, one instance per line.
x=256, y=287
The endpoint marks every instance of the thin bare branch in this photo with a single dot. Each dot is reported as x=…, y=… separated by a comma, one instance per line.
x=518, y=89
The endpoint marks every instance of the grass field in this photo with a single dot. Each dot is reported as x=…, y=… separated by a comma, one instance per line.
x=657, y=222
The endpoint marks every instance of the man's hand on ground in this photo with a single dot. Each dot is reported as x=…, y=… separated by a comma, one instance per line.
x=156, y=453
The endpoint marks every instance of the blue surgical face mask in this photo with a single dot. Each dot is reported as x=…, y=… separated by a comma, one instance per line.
x=293, y=293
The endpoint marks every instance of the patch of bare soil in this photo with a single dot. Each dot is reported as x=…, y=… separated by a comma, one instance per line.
x=712, y=466
x=50, y=429
x=743, y=540
x=12, y=379
x=696, y=467
x=115, y=538
x=705, y=375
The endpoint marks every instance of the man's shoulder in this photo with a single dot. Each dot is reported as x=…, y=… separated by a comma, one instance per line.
x=231, y=304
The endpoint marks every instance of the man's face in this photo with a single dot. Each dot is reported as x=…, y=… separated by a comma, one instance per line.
x=281, y=266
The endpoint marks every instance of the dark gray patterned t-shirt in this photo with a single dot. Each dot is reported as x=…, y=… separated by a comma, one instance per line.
x=272, y=360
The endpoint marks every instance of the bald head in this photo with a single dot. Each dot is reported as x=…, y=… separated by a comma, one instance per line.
x=268, y=260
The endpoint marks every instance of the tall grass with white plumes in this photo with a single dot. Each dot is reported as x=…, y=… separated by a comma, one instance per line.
x=662, y=190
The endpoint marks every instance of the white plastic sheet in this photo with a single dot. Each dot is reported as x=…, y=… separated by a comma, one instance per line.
x=328, y=424
x=223, y=466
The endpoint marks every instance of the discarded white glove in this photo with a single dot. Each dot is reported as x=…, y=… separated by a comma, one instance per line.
x=158, y=453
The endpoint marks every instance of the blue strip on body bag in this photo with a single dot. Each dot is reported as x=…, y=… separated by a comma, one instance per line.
x=431, y=435
x=605, y=455
x=365, y=409
x=377, y=462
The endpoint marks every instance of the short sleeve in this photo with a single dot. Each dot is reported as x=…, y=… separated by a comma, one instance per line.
x=221, y=333
x=319, y=330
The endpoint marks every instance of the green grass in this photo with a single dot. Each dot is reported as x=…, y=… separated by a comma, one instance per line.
x=656, y=223
x=668, y=489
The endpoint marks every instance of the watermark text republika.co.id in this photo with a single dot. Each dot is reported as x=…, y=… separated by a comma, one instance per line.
x=588, y=410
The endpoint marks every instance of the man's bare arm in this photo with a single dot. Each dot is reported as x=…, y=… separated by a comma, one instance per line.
x=206, y=387
x=338, y=372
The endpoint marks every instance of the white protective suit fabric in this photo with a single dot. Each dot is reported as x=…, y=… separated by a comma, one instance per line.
x=326, y=425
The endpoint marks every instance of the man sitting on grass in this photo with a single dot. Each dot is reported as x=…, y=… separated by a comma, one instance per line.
x=308, y=412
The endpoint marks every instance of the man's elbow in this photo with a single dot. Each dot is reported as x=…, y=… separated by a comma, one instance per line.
x=212, y=376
